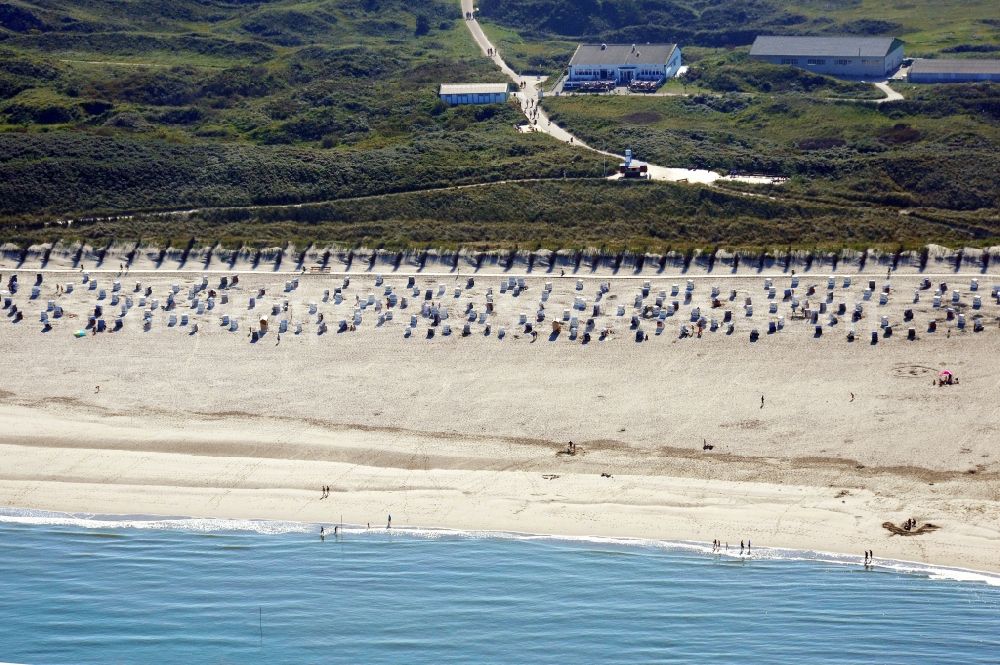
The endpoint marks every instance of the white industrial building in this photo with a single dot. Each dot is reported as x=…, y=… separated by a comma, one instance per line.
x=953, y=71
x=622, y=64
x=851, y=57
x=474, y=93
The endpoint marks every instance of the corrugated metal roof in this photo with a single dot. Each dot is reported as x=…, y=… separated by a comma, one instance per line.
x=621, y=54
x=473, y=88
x=833, y=47
x=923, y=66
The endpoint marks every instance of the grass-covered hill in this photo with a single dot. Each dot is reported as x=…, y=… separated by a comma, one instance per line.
x=575, y=214
x=927, y=27
x=112, y=106
x=930, y=150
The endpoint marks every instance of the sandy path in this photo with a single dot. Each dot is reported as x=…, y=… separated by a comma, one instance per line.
x=463, y=432
x=890, y=94
x=531, y=94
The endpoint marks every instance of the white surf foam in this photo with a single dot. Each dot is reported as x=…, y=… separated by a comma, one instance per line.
x=269, y=527
x=196, y=524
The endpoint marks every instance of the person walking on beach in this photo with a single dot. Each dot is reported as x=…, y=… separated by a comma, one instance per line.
x=762, y=401
x=748, y=546
x=389, y=523
x=741, y=547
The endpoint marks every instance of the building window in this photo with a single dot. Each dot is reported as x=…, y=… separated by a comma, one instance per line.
x=789, y=61
x=843, y=62
x=815, y=61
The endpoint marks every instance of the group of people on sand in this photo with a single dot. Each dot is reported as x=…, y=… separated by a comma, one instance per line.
x=336, y=528
x=910, y=523
x=325, y=492
x=717, y=546
x=869, y=558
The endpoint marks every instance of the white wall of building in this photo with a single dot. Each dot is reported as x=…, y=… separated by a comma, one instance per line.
x=491, y=98
x=852, y=66
x=623, y=74
x=953, y=77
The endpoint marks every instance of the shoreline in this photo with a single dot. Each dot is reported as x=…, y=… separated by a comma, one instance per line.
x=266, y=527
x=198, y=465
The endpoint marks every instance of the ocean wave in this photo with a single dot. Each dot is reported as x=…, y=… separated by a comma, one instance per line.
x=278, y=527
x=193, y=524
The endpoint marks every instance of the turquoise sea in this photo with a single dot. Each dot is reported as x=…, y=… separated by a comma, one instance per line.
x=131, y=590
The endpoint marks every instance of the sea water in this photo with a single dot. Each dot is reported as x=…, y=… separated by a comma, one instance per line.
x=99, y=590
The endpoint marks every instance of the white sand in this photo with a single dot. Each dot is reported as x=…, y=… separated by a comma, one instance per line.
x=463, y=432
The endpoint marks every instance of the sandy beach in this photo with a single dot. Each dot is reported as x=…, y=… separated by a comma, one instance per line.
x=470, y=432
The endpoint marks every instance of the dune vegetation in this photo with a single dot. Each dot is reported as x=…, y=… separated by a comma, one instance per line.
x=111, y=112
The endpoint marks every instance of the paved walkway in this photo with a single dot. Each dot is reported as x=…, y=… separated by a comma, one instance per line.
x=890, y=94
x=530, y=94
